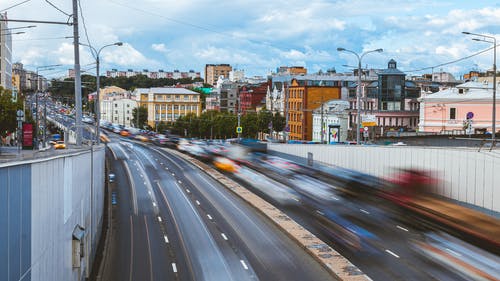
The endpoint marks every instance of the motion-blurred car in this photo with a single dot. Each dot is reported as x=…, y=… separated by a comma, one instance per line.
x=225, y=164
x=59, y=145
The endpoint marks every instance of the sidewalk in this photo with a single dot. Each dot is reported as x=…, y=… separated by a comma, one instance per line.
x=12, y=153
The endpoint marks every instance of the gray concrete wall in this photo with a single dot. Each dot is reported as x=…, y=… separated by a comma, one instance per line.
x=465, y=174
x=41, y=202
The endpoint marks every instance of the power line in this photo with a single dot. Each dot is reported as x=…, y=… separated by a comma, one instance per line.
x=57, y=8
x=83, y=22
x=452, y=62
x=15, y=5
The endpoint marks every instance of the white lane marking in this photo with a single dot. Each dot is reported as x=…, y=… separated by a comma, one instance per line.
x=159, y=219
x=402, y=228
x=209, y=216
x=149, y=192
x=132, y=188
x=161, y=163
x=166, y=238
x=197, y=202
x=174, y=267
x=145, y=183
x=156, y=159
x=364, y=211
x=179, y=181
x=244, y=264
x=154, y=204
x=224, y=236
x=173, y=174
x=188, y=191
x=295, y=199
x=392, y=253
x=141, y=174
x=319, y=212
x=335, y=198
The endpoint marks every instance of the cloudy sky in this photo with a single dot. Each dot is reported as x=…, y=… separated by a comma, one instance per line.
x=258, y=36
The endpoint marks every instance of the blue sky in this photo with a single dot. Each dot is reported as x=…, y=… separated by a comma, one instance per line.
x=259, y=36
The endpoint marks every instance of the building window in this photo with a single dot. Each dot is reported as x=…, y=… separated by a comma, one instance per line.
x=116, y=105
x=453, y=113
x=177, y=97
x=186, y=97
x=128, y=105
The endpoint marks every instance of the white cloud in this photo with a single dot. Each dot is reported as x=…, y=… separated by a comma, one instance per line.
x=159, y=47
x=260, y=34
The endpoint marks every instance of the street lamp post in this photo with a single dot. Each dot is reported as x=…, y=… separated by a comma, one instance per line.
x=494, y=42
x=358, y=92
x=39, y=68
x=97, y=108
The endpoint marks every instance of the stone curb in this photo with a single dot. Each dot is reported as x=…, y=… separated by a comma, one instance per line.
x=338, y=266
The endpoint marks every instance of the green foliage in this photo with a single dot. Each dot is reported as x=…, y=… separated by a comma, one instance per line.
x=222, y=125
x=139, y=116
x=8, y=111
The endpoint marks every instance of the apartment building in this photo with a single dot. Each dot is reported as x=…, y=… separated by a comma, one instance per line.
x=5, y=54
x=176, y=74
x=167, y=104
x=304, y=96
x=213, y=71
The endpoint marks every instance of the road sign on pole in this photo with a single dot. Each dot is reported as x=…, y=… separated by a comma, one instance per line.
x=239, y=130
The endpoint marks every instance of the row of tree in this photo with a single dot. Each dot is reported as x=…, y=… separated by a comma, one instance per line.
x=66, y=88
x=8, y=111
x=222, y=125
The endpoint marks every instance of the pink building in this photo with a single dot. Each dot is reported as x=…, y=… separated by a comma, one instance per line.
x=446, y=111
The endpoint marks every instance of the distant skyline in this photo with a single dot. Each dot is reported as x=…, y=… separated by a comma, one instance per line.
x=258, y=36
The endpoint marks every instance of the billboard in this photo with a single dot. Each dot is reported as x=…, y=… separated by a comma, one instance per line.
x=27, y=135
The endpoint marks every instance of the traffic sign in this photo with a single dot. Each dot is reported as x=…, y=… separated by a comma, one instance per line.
x=239, y=130
x=470, y=115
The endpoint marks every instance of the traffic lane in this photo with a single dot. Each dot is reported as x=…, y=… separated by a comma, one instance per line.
x=207, y=260
x=222, y=262
x=371, y=266
x=157, y=169
x=272, y=254
x=392, y=255
x=135, y=242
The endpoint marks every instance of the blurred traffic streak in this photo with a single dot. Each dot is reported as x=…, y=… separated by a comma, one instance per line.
x=410, y=192
x=350, y=235
x=358, y=213
x=469, y=261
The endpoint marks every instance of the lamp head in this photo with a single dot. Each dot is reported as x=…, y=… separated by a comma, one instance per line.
x=379, y=50
x=340, y=49
x=465, y=32
x=119, y=43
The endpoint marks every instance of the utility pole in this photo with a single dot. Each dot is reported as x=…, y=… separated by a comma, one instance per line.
x=322, y=122
x=78, y=80
x=287, y=127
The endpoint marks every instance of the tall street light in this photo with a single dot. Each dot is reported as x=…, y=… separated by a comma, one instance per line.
x=39, y=68
x=358, y=92
x=97, y=107
x=494, y=42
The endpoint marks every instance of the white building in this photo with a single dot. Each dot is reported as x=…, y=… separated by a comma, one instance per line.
x=5, y=54
x=275, y=100
x=335, y=122
x=236, y=75
x=118, y=111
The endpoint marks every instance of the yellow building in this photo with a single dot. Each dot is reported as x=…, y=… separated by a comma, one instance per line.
x=303, y=97
x=168, y=104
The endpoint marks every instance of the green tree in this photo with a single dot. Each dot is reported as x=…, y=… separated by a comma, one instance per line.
x=8, y=111
x=278, y=122
x=250, y=124
x=139, y=116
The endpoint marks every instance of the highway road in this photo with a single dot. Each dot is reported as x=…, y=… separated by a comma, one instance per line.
x=171, y=221
x=387, y=252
